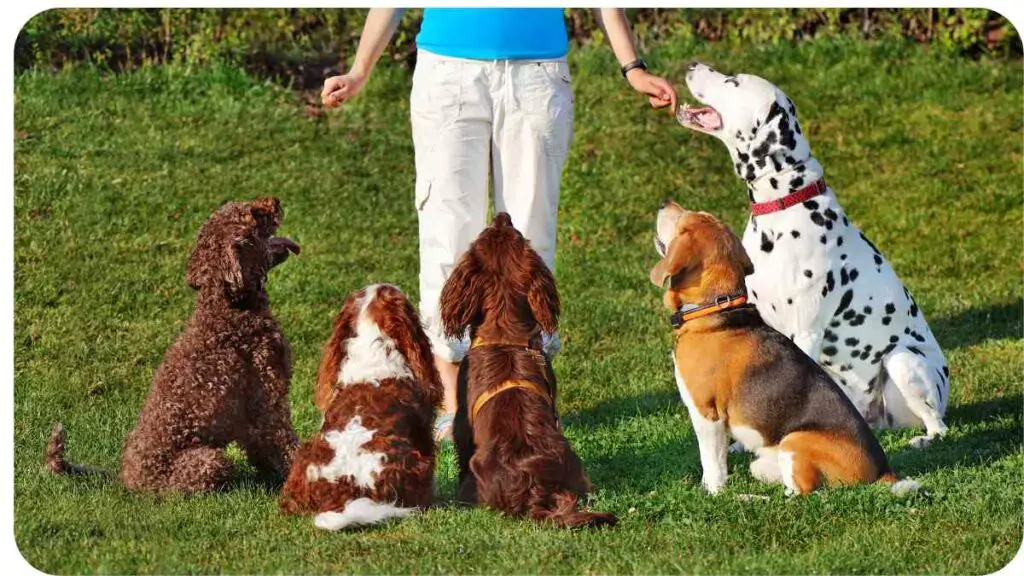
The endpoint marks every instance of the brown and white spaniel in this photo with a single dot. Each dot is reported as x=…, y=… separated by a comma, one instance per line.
x=512, y=454
x=377, y=388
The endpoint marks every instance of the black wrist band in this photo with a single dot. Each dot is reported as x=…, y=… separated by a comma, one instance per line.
x=638, y=63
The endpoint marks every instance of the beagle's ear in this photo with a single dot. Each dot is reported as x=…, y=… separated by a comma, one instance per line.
x=679, y=256
x=739, y=253
x=462, y=296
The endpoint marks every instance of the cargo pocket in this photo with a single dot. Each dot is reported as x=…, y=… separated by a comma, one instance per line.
x=548, y=103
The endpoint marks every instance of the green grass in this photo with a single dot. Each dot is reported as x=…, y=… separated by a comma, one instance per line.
x=115, y=174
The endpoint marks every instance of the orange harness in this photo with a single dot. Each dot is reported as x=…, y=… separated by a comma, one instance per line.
x=505, y=386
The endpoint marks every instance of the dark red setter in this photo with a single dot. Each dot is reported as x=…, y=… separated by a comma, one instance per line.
x=512, y=454
x=373, y=458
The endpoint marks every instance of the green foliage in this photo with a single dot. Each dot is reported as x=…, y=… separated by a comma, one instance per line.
x=302, y=42
x=114, y=173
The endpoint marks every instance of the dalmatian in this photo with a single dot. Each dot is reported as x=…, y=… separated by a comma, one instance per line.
x=817, y=278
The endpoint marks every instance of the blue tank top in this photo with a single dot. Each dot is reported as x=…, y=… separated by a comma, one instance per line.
x=494, y=33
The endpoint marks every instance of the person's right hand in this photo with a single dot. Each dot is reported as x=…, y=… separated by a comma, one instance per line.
x=338, y=89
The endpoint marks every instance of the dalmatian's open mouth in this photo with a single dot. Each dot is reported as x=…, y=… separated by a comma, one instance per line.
x=703, y=118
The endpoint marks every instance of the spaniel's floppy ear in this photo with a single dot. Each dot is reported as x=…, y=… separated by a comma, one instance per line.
x=542, y=294
x=462, y=296
x=420, y=356
x=679, y=256
x=333, y=353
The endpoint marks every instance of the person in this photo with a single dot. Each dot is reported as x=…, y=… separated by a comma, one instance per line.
x=491, y=89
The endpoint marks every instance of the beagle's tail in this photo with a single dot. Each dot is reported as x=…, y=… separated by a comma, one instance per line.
x=901, y=487
x=360, y=512
x=55, y=462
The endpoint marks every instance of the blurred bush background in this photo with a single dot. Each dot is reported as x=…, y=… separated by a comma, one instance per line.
x=301, y=45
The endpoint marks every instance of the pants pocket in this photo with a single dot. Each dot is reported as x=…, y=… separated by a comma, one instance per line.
x=546, y=99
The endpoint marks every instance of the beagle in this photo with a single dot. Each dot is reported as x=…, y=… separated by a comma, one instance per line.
x=740, y=377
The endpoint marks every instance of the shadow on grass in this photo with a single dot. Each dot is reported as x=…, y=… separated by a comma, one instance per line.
x=612, y=411
x=976, y=325
x=1000, y=420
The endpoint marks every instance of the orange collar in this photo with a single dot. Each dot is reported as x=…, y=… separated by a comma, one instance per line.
x=685, y=314
x=490, y=393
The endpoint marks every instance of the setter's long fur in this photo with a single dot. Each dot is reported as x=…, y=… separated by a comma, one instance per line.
x=513, y=457
x=378, y=389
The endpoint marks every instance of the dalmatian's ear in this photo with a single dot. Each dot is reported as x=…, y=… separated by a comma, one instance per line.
x=775, y=135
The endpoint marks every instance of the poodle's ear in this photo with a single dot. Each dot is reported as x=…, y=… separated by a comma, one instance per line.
x=679, y=256
x=542, y=294
x=462, y=296
x=211, y=263
x=420, y=355
x=333, y=354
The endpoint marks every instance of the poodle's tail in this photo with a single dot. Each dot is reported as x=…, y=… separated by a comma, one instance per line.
x=564, y=512
x=55, y=461
x=901, y=487
x=360, y=512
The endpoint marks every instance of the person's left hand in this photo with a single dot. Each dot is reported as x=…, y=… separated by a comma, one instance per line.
x=660, y=91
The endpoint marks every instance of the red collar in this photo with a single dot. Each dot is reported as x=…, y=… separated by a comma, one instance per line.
x=802, y=195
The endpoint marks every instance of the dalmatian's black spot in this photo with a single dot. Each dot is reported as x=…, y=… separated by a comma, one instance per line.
x=846, y=221
x=913, y=309
x=773, y=308
x=844, y=277
x=853, y=275
x=829, y=350
x=810, y=205
x=774, y=183
x=808, y=273
x=834, y=324
x=778, y=236
x=845, y=367
x=823, y=239
x=831, y=214
x=824, y=291
x=886, y=320
x=842, y=256
x=878, y=260
x=817, y=218
x=844, y=302
x=864, y=355
x=743, y=157
x=796, y=183
x=775, y=164
x=790, y=161
x=789, y=300
x=773, y=111
x=839, y=241
x=873, y=247
x=739, y=135
x=828, y=225
x=894, y=338
x=739, y=169
x=826, y=362
x=750, y=172
x=858, y=320
x=851, y=342
x=916, y=350
x=753, y=224
x=794, y=233
x=849, y=314
x=945, y=370
x=830, y=336
x=906, y=331
x=830, y=281
x=766, y=243
x=867, y=310
x=796, y=126
x=754, y=292
x=800, y=168
x=917, y=336
x=750, y=193
x=882, y=353
x=761, y=151
x=732, y=82
x=890, y=308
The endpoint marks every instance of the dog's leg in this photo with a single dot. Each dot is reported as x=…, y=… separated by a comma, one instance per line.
x=909, y=373
x=766, y=467
x=270, y=440
x=712, y=441
x=201, y=469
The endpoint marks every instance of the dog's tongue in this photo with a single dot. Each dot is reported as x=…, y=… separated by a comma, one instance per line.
x=286, y=243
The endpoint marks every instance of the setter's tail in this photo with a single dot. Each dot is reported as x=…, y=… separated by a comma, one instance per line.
x=564, y=512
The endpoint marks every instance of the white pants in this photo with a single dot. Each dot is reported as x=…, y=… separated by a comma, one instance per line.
x=514, y=116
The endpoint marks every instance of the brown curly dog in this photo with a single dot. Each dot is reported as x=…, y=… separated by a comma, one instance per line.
x=225, y=379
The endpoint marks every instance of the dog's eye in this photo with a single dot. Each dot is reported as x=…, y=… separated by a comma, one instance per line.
x=732, y=81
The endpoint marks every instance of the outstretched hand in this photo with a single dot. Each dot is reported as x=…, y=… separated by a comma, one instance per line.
x=658, y=90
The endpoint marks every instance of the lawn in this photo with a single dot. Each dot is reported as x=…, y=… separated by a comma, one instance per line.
x=114, y=174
